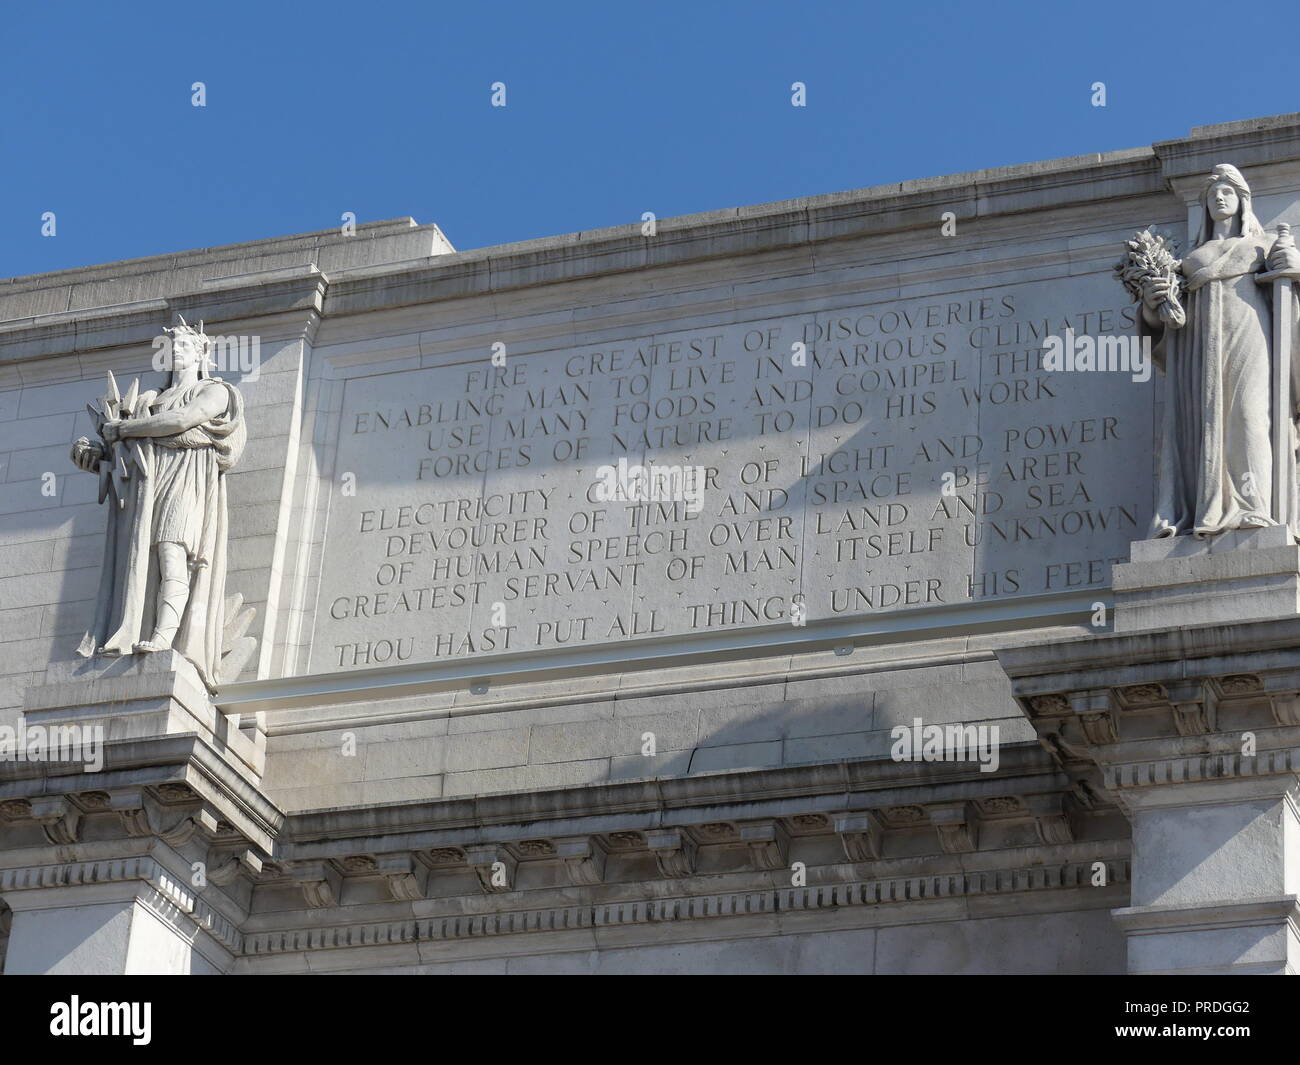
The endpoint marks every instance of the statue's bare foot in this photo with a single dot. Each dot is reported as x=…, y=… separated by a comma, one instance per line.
x=108, y=652
x=151, y=645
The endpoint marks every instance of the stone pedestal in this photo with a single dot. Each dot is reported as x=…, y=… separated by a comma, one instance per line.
x=139, y=696
x=1182, y=580
x=141, y=858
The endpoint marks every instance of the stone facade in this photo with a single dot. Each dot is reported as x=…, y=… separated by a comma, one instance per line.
x=496, y=722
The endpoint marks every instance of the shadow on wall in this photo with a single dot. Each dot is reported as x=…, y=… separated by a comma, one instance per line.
x=745, y=727
x=808, y=722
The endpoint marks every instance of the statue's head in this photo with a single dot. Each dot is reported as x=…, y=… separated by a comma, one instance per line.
x=189, y=348
x=1227, y=196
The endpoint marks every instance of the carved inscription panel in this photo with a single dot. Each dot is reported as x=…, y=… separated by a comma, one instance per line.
x=889, y=457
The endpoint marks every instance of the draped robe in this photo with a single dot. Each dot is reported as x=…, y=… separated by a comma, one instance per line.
x=176, y=492
x=1215, y=471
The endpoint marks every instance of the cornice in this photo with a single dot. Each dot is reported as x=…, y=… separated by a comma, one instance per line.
x=1248, y=143
x=713, y=846
x=181, y=773
x=791, y=224
x=1179, y=652
x=1171, y=717
x=858, y=895
x=278, y=294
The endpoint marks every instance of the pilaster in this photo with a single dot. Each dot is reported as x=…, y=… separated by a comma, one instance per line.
x=1193, y=733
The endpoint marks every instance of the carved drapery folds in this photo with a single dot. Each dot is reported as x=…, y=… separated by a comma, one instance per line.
x=162, y=458
x=1223, y=325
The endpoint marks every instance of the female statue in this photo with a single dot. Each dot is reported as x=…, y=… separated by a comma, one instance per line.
x=1216, y=461
x=166, y=456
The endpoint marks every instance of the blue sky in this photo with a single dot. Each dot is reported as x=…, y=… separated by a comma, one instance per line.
x=613, y=108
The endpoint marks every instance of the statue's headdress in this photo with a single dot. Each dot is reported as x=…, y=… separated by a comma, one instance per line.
x=1229, y=175
x=181, y=328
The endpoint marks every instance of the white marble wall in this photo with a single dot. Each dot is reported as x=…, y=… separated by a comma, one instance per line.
x=346, y=331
